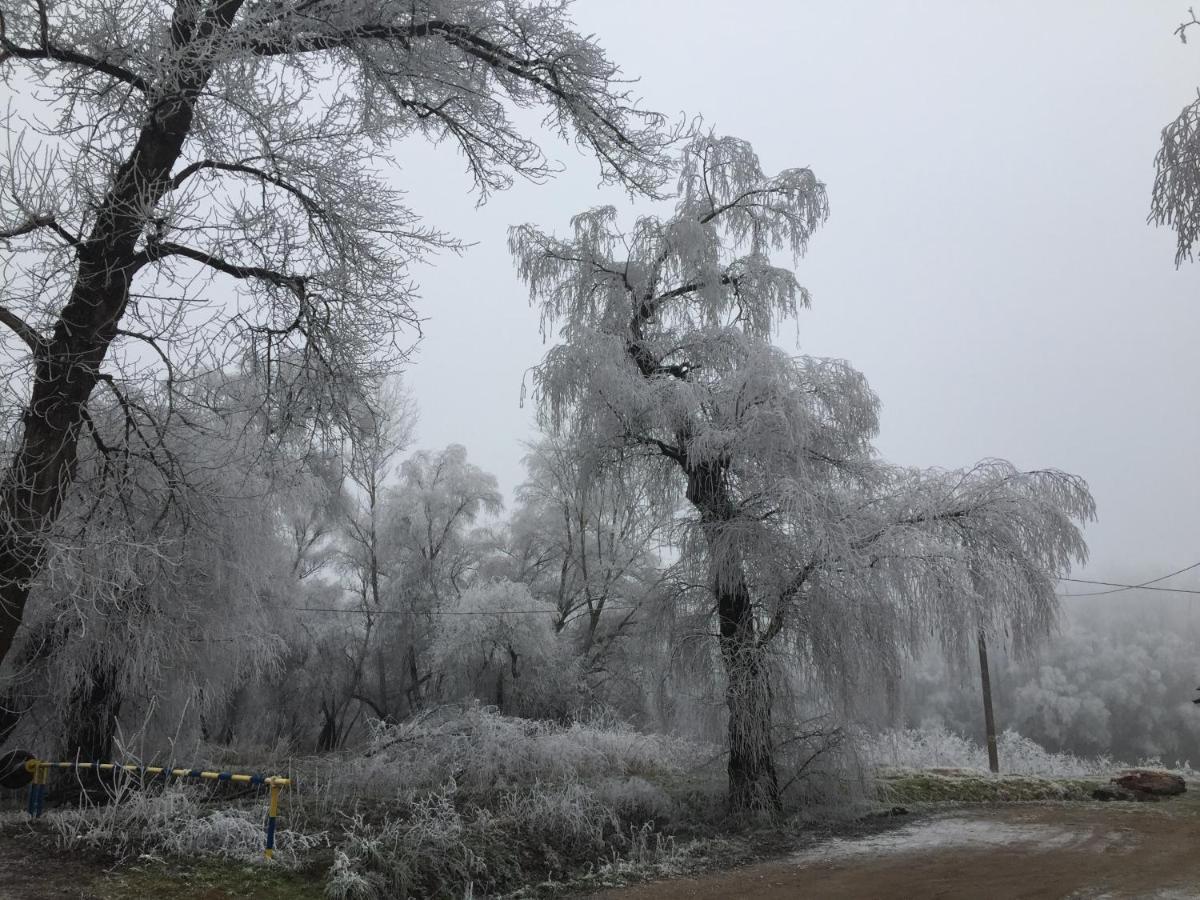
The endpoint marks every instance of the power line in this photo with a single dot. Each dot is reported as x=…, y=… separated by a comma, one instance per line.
x=1129, y=587
x=444, y=612
x=1133, y=587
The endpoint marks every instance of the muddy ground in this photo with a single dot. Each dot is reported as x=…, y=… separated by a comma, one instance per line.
x=1074, y=850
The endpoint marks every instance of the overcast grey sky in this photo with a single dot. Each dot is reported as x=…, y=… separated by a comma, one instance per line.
x=987, y=264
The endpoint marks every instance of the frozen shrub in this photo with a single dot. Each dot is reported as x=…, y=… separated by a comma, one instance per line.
x=472, y=801
x=939, y=748
x=173, y=820
x=636, y=799
x=437, y=848
x=346, y=882
x=458, y=801
x=486, y=753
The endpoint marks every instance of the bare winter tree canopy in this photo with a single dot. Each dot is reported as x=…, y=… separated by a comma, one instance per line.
x=666, y=351
x=197, y=184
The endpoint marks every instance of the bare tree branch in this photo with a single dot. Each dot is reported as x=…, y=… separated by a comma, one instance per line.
x=49, y=51
x=33, y=223
x=308, y=202
x=160, y=250
x=23, y=330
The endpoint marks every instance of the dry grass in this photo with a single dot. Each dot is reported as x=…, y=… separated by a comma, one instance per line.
x=457, y=803
x=916, y=749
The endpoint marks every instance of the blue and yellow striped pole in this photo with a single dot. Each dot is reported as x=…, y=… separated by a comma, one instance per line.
x=37, y=786
x=272, y=815
x=40, y=770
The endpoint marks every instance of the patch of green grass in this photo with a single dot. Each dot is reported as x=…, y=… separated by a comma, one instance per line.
x=969, y=787
x=207, y=880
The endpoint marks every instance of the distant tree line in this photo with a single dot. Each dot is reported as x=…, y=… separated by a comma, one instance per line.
x=1117, y=680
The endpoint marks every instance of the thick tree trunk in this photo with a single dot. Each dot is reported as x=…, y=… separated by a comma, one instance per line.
x=94, y=725
x=753, y=781
x=67, y=365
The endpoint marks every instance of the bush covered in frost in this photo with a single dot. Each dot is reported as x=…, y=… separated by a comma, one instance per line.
x=176, y=819
x=939, y=748
x=453, y=802
x=477, y=802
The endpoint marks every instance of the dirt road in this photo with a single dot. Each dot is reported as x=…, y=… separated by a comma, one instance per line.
x=1042, y=852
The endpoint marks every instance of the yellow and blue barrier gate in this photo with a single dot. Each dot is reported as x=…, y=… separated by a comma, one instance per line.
x=40, y=770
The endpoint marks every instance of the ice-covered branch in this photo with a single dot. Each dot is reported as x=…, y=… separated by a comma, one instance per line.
x=22, y=329
x=527, y=52
x=160, y=250
x=310, y=204
x=54, y=53
x=34, y=223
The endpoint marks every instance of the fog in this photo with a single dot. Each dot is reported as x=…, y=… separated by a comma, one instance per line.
x=987, y=262
x=548, y=533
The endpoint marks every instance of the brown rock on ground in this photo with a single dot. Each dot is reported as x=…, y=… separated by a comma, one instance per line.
x=1149, y=781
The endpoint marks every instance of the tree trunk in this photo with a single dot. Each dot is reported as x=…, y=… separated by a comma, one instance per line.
x=753, y=780
x=220, y=729
x=894, y=701
x=330, y=737
x=414, y=681
x=94, y=723
x=67, y=364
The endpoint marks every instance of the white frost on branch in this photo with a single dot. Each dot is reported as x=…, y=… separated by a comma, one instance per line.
x=665, y=348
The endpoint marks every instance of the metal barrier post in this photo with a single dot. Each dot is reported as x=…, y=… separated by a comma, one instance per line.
x=43, y=781
x=272, y=814
x=32, y=768
x=37, y=785
x=40, y=772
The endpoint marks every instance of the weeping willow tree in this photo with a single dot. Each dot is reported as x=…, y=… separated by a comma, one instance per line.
x=160, y=598
x=808, y=539
x=1175, y=198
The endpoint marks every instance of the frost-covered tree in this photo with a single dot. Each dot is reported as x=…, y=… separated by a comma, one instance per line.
x=406, y=548
x=157, y=604
x=160, y=149
x=798, y=528
x=427, y=555
x=440, y=496
x=381, y=428
x=498, y=644
x=586, y=537
x=1175, y=200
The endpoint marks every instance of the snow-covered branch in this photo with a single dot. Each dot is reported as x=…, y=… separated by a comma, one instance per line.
x=22, y=329
x=46, y=50
x=161, y=250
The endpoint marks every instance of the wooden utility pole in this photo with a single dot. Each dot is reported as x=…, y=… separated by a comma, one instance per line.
x=989, y=719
